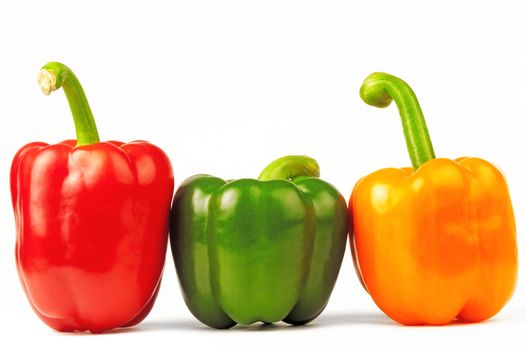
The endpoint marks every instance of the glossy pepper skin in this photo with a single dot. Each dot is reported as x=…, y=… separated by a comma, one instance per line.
x=252, y=250
x=92, y=222
x=433, y=243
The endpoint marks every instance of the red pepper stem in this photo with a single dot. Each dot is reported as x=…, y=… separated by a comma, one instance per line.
x=290, y=167
x=55, y=75
x=378, y=90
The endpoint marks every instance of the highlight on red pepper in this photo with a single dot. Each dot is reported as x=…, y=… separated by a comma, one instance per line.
x=434, y=243
x=92, y=221
x=259, y=250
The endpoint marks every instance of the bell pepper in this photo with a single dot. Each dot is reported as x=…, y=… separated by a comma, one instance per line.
x=436, y=242
x=258, y=250
x=92, y=221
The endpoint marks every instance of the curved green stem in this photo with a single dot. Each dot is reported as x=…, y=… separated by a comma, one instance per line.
x=378, y=90
x=55, y=75
x=290, y=167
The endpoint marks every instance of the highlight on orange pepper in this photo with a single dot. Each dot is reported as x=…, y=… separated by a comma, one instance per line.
x=435, y=243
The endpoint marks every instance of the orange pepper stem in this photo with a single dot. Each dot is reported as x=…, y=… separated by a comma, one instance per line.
x=378, y=90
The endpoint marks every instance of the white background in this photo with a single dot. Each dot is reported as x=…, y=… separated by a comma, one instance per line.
x=224, y=87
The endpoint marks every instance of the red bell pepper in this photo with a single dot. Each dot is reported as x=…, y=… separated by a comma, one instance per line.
x=92, y=221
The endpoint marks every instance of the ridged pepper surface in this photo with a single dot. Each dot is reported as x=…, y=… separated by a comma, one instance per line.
x=433, y=243
x=92, y=221
x=259, y=250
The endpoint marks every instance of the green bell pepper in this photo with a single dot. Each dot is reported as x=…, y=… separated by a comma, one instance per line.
x=259, y=250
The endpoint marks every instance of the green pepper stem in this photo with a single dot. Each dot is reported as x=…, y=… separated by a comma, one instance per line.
x=55, y=75
x=290, y=167
x=378, y=90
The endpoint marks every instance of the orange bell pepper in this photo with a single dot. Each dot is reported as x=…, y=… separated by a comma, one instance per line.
x=435, y=243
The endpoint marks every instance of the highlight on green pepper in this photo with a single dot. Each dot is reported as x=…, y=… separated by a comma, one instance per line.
x=259, y=250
